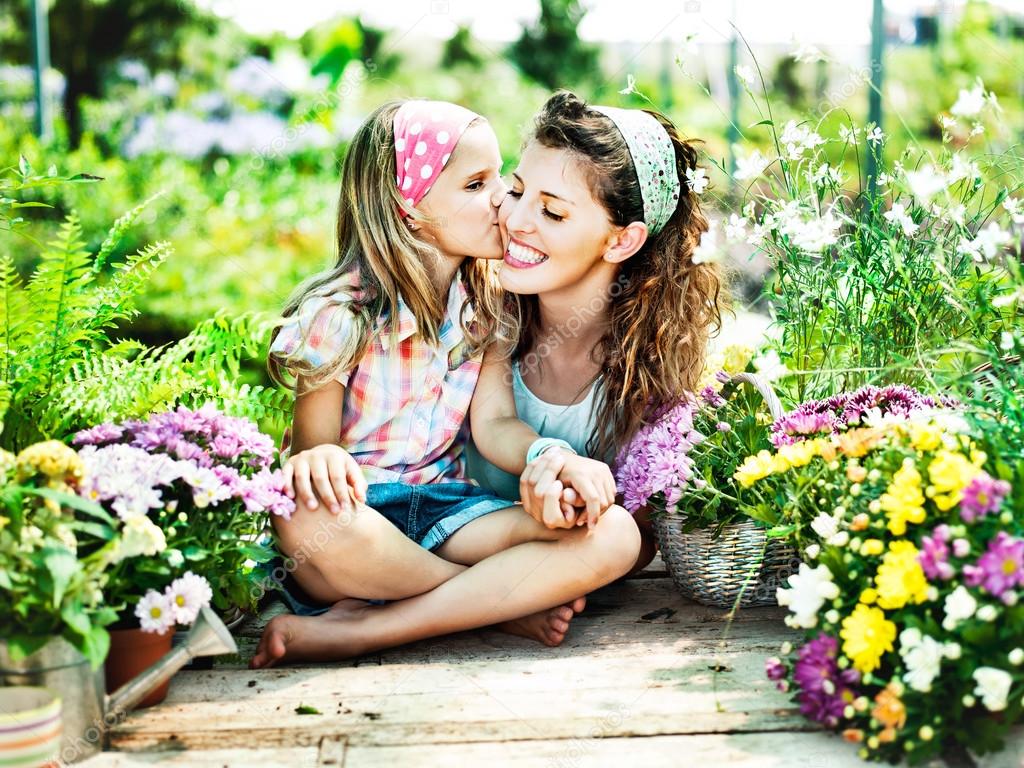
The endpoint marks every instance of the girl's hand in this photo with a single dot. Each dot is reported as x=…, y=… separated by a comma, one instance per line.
x=327, y=471
x=591, y=480
x=544, y=497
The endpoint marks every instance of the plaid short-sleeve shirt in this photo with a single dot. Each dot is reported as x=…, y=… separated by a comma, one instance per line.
x=406, y=402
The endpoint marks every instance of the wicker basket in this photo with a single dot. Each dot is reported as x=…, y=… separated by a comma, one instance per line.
x=715, y=570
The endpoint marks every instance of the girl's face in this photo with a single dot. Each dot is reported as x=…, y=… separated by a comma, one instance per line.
x=463, y=203
x=556, y=233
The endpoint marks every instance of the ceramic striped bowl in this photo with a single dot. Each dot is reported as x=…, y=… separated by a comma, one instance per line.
x=30, y=727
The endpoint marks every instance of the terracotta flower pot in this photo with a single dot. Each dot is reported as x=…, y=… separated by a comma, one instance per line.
x=133, y=651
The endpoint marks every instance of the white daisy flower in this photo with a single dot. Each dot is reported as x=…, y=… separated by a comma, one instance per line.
x=187, y=595
x=697, y=180
x=154, y=612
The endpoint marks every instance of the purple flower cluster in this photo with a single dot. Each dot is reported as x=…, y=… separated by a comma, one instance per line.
x=202, y=455
x=934, y=555
x=1001, y=569
x=846, y=409
x=982, y=496
x=825, y=690
x=205, y=436
x=656, y=461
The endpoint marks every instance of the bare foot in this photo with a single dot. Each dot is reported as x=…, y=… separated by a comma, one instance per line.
x=548, y=627
x=328, y=637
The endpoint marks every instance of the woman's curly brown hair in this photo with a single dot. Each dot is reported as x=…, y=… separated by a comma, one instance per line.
x=663, y=306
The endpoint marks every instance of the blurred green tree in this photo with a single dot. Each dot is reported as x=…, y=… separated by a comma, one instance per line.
x=551, y=52
x=88, y=36
x=460, y=49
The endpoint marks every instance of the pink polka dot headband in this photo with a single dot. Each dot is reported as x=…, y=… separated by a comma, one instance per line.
x=426, y=133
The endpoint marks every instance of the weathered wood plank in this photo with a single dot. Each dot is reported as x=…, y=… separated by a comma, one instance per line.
x=740, y=750
x=467, y=701
x=293, y=757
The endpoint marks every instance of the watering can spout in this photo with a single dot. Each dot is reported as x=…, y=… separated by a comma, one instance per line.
x=208, y=637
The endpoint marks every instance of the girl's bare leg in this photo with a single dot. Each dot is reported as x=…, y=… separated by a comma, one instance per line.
x=508, y=584
x=365, y=555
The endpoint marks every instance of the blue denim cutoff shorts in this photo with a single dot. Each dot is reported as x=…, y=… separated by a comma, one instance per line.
x=428, y=514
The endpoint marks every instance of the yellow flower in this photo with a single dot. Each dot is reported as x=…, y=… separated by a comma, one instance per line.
x=755, y=468
x=51, y=458
x=736, y=357
x=872, y=547
x=867, y=634
x=8, y=461
x=951, y=472
x=925, y=437
x=857, y=442
x=900, y=578
x=869, y=595
x=903, y=500
x=798, y=454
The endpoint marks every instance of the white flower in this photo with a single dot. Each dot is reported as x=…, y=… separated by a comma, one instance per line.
x=809, y=588
x=187, y=595
x=630, y=85
x=923, y=656
x=987, y=613
x=797, y=139
x=707, y=250
x=898, y=215
x=826, y=525
x=812, y=551
x=1009, y=298
x=751, y=166
x=963, y=169
x=952, y=650
x=993, y=687
x=697, y=179
x=947, y=122
x=1014, y=207
x=977, y=129
x=745, y=73
x=848, y=132
x=925, y=182
x=154, y=612
x=875, y=135
x=139, y=536
x=969, y=103
x=883, y=179
x=735, y=228
x=808, y=54
x=814, y=234
x=827, y=174
x=986, y=243
x=1006, y=341
x=959, y=605
x=1016, y=656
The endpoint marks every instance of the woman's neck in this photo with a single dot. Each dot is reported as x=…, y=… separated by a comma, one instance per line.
x=443, y=273
x=576, y=318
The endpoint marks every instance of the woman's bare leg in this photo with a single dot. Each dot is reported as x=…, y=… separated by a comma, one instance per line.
x=512, y=583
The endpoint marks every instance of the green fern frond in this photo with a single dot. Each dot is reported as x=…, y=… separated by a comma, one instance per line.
x=116, y=232
x=116, y=299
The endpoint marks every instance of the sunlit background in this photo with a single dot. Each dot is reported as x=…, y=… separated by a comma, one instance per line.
x=235, y=113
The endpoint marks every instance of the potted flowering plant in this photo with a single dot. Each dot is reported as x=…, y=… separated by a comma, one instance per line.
x=680, y=467
x=909, y=605
x=55, y=556
x=192, y=490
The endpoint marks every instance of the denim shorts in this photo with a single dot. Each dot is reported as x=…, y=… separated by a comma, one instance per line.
x=428, y=514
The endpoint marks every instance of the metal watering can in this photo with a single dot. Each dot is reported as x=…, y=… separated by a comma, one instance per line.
x=88, y=712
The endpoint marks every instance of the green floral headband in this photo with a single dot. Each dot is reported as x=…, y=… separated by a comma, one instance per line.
x=654, y=159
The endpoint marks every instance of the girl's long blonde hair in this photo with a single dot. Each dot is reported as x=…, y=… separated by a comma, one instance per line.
x=663, y=306
x=379, y=259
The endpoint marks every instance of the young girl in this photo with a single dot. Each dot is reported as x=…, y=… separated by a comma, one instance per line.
x=387, y=348
x=600, y=226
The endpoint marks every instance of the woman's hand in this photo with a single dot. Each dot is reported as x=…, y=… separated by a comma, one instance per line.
x=327, y=471
x=544, y=497
x=556, y=483
x=593, y=483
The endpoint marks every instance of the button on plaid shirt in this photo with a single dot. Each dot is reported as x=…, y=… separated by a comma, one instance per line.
x=404, y=414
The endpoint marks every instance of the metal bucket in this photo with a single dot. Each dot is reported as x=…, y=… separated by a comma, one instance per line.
x=61, y=668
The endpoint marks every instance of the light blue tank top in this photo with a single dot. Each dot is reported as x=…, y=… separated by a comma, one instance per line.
x=572, y=423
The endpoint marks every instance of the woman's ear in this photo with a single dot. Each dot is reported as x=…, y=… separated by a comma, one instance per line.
x=626, y=242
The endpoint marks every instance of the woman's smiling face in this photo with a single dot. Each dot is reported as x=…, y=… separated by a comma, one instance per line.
x=555, y=232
